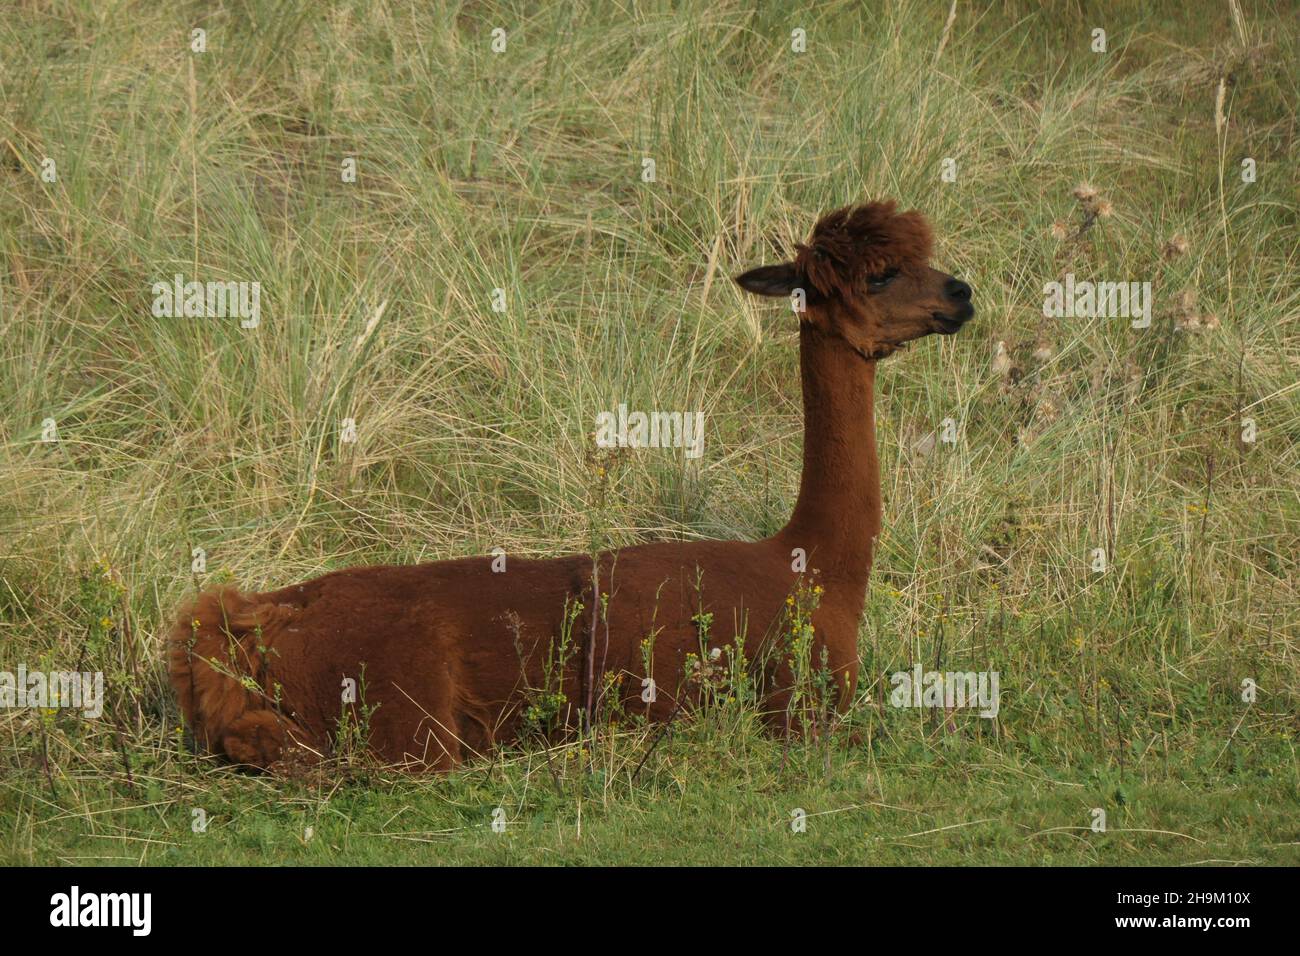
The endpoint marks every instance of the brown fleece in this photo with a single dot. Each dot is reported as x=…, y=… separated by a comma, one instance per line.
x=853, y=244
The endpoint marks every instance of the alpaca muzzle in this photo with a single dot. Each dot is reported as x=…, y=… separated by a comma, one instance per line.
x=958, y=293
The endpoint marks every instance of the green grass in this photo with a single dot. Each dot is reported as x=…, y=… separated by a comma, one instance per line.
x=522, y=171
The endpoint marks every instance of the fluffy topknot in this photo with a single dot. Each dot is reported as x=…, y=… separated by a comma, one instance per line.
x=850, y=245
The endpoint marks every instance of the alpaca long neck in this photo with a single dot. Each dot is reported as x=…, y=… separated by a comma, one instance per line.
x=837, y=515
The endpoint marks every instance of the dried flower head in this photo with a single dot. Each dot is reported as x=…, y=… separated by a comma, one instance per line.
x=1175, y=247
x=1001, y=363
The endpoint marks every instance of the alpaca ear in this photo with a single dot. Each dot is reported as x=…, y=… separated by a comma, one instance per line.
x=779, y=281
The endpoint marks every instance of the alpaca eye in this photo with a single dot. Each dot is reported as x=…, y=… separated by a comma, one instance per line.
x=882, y=280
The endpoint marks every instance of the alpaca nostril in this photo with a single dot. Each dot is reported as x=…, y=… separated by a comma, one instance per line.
x=957, y=290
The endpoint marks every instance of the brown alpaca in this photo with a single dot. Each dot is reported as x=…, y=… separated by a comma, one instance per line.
x=452, y=650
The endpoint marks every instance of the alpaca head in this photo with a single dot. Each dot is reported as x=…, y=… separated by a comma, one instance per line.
x=865, y=278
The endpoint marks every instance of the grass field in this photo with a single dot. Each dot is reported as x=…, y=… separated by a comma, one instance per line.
x=127, y=441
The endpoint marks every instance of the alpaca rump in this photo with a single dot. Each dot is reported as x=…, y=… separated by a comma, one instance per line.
x=448, y=659
x=217, y=663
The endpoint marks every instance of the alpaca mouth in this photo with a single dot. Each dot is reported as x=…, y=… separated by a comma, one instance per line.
x=950, y=324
